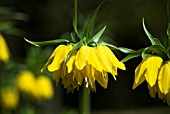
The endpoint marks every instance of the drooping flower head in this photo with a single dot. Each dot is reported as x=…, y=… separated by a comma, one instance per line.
x=88, y=64
x=83, y=59
x=154, y=68
x=4, y=51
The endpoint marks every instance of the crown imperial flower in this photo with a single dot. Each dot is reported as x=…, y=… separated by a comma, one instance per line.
x=83, y=59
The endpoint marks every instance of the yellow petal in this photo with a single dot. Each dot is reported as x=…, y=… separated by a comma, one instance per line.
x=82, y=57
x=113, y=59
x=60, y=73
x=4, y=51
x=141, y=79
x=153, y=64
x=104, y=58
x=70, y=62
x=51, y=57
x=160, y=94
x=114, y=72
x=102, y=78
x=93, y=59
x=59, y=57
x=153, y=90
x=139, y=73
x=78, y=76
x=164, y=78
x=168, y=98
x=88, y=75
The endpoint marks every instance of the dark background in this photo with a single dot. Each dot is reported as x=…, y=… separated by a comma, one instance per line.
x=49, y=19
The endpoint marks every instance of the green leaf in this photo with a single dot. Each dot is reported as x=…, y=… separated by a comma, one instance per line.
x=168, y=30
x=133, y=55
x=98, y=35
x=168, y=53
x=91, y=21
x=72, y=38
x=75, y=47
x=75, y=18
x=125, y=50
x=50, y=42
x=168, y=16
x=155, y=50
x=151, y=38
x=168, y=33
x=112, y=47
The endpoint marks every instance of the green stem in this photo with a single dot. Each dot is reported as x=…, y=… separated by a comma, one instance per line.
x=84, y=100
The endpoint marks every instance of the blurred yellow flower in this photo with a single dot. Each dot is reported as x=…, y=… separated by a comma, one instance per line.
x=4, y=51
x=9, y=98
x=44, y=88
x=26, y=82
x=39, y=88
x=88, y=64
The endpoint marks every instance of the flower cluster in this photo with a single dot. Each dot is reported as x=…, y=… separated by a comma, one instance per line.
x=156, y=72
x=39, y=88
x=83, y=59
x=88, y=63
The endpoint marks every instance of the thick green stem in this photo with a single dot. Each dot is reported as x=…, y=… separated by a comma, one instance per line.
x=84, y=100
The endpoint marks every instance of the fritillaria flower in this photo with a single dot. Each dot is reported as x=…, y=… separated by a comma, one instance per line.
x=154, y=68
x=88, y=64
x=40, y=88
x=84, y=58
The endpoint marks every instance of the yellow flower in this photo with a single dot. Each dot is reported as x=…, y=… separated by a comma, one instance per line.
x=88, y=64
x=26, y=82
x=9, y=98
x=157, y=74
x=44, y=88
x=164, y=78
x=39, y=88
x=4, y=51
x=148, y=70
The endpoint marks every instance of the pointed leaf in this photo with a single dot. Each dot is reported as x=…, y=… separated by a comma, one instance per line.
x=125, y=50
x=72, y=38
x=50, y=42
x=158, y=42
x=151, y=38
x=132, y=55
x=155, y=49
x=168, y=33
x=98, y=35
x=168, y=53
x=122, y=49
x=75, y=47
x=75, y=18
x=91, y=21
x=168, y=30
x=168, y=16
